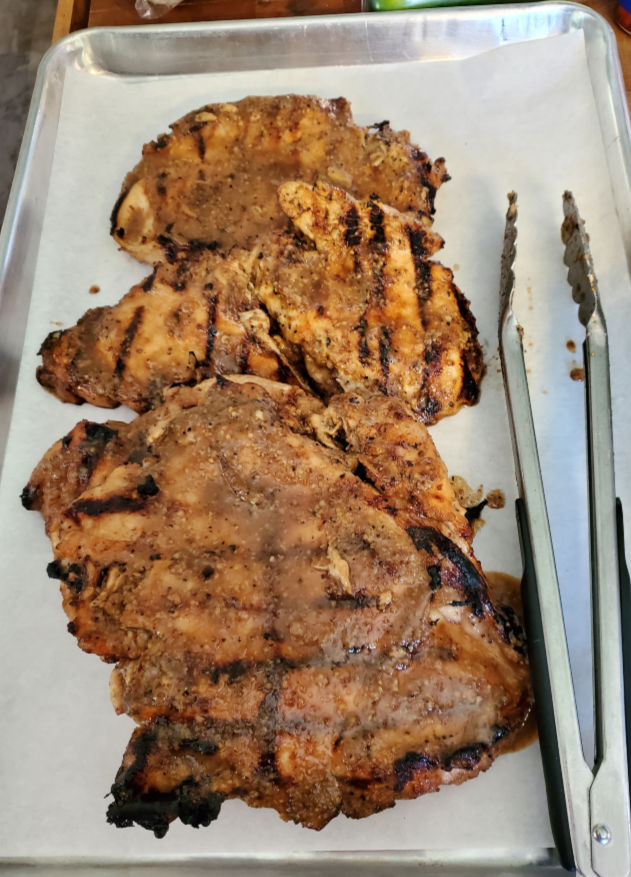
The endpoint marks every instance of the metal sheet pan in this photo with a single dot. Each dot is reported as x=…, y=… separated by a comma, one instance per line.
x=164, y=52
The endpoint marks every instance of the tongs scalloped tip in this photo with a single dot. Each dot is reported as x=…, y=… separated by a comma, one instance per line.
x=507, y=275
x=578, y=258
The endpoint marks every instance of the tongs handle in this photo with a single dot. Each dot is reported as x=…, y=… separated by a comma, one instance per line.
x=546, y=726
x=625, y=617
x=609, y=794
x=568, y=778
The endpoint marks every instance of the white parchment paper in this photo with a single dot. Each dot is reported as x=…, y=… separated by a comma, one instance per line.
x=520, y=117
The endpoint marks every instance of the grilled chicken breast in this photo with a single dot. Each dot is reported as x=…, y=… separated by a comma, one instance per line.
x=212, y=181
x=290, y=597
x=365, y=306
x=353, y=305
x=185, y=322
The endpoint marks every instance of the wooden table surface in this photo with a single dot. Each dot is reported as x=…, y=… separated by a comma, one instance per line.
x=75, y=14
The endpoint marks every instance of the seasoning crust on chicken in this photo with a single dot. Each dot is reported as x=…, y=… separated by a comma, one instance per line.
x=212, y=182
x=291, y=599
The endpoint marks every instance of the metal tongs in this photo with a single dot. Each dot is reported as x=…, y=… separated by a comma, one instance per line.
x=589, y=807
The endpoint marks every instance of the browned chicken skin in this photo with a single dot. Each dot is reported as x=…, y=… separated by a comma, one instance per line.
x=212, y=181
x=353, y=302
x=291, y=599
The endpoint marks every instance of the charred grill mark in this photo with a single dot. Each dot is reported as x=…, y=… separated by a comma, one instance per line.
x=468, y=578
x=94, y=508
x=363, y=782
x=512, y=630
x=423, y=284
x=141, y=748
x=470, y=390
x=89, y=461
x=430, y=409
x=169, y=246
x=422, y=269
x=197, y=245
x=233, y=670
x=50, y=341
x=378, y=247
x=268, y=716
x=464, y=309
x=384, y=356
x=70, y=573
x=432, y=352
x=148, y=487
x=466, y=758
x=125, y=348
x=267, y=764
x=376, y=218
x=417, y=243
x=97, y=436
x=100, y=432
x=114, y=215
x=30, y=496
x=434, y=577
x=201, y=144
x=274, y=670
x=350, y=220
x=499, y=732
x=136, y=802
x=407, y=767
x=412, y=763
x=470, y=357
x=364, y=350
x=147, y=284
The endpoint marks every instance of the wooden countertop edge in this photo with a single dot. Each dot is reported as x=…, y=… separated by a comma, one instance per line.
x=71, y=15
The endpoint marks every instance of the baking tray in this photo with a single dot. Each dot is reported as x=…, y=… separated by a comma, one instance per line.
x=339, y=45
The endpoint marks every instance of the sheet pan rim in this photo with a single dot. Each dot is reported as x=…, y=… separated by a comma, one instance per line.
x=46, y=88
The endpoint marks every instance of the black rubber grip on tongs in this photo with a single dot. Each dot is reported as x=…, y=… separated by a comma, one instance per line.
x=625, y=623
x=543, y=698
